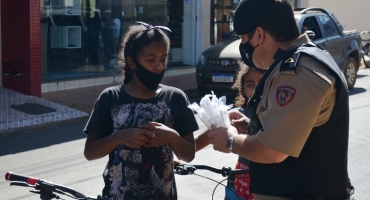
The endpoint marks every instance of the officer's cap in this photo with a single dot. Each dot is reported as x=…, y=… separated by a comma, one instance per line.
x=249, y=14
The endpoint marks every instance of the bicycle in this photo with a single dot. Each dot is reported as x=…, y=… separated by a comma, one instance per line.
x=46, y=189
x=230, y=194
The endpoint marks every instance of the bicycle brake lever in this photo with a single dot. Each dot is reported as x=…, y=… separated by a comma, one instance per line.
x=21, y=183
x=51, y=196
x=185, y=169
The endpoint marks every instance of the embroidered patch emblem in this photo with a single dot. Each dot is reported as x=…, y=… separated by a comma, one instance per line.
x=284, y=95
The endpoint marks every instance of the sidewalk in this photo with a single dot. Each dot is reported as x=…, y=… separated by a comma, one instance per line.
x=20, y=113
x=83, y=99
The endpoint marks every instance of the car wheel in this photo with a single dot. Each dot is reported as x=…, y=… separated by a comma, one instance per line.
x=351, y=72
x=367, y=55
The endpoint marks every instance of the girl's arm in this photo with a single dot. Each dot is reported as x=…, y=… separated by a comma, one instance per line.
x=201, y=140
x=96, y=147
x=184, y=147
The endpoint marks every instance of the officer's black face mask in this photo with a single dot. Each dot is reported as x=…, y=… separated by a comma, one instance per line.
x=149, y=79
x=246, y=51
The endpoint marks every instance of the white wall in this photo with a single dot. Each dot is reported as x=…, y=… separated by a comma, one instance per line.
x=196, y=29
x=203, y=27
x=188, y=31
x=303, y=3
x=352, y=14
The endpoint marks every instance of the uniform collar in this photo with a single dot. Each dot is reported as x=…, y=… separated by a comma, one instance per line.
x=302, y=39
x=299, y=41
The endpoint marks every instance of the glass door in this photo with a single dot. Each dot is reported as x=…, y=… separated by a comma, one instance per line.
x=221, y=19
x=175, y=23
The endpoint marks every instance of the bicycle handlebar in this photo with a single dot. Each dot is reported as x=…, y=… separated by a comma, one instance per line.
x=44, y=186
x=185, y=169
x=10, y=176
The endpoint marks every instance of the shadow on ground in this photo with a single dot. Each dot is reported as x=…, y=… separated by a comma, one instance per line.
x=361, y=75
x=26, y=141
x=355, y=91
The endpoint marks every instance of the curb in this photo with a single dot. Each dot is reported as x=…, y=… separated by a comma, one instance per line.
x=40, y=126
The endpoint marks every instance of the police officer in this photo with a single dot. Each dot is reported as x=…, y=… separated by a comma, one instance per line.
x=299, y=123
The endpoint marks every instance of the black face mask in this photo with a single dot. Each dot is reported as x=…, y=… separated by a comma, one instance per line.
x=246, y=51
x=149, y=79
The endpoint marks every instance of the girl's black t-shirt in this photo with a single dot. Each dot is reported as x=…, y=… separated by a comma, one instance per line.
x=145, y=173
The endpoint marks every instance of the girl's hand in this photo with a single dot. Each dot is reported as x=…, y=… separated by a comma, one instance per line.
x=239, y=121
x=163, y=134
x=235, y=115
x=176, y=161
x=136, y=137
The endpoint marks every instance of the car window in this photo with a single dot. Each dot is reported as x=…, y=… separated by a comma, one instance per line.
x=310, y=23
x=328, y=25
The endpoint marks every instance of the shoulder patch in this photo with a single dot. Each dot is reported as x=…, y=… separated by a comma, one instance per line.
x=285, y=95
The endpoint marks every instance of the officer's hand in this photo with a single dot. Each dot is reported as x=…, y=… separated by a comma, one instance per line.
x=219, y=136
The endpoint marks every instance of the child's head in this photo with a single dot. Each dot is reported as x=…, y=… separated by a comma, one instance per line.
x=145, y=45
x=246, y=81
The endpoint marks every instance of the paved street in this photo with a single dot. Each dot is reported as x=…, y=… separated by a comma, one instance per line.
x=56, y=154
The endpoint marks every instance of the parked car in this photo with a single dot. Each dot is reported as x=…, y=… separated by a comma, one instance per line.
x=365, y=37
x=217, y=66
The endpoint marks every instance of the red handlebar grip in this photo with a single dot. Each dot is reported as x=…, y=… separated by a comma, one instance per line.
x=10, y=176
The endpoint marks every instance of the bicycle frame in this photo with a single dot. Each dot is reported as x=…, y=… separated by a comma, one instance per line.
x=230, y=194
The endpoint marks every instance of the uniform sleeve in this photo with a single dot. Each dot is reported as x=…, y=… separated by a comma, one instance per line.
x=185, y=122
x=100, y=121
x=293, y=106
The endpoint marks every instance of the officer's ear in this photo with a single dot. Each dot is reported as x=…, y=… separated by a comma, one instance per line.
x=260, y=34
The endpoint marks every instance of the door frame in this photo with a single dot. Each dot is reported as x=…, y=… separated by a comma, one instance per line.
x=1, y=53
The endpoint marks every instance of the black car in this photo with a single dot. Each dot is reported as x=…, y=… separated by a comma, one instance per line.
x=217, y=66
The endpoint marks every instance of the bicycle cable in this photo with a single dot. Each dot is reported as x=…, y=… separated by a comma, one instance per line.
x=214, y=190
x=218, y=183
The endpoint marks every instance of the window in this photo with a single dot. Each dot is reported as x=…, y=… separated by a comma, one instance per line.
x=328, y=25
x=311, y=24
x=81, y=38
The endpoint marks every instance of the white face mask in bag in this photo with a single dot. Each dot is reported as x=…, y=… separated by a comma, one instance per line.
x=212, y=111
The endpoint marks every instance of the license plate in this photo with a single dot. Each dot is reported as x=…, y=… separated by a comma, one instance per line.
x=223, y=78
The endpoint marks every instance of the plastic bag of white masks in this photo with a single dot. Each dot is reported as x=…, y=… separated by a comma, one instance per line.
x=212, y=110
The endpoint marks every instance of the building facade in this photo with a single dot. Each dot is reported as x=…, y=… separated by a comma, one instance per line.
x=49, y=45
x=50, y=42
x=353, y=15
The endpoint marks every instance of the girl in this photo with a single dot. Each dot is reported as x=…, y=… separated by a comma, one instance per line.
x=139, y=124
x=247, y=79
